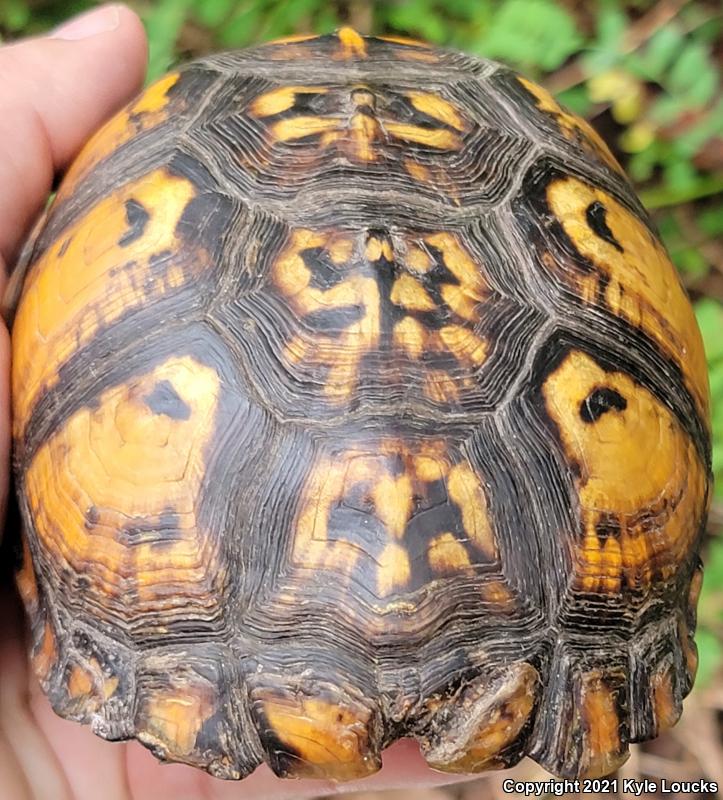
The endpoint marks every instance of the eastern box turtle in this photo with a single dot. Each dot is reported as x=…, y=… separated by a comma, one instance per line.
x=355, y=399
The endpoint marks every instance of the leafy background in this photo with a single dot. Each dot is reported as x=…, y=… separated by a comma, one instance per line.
x=646, y=74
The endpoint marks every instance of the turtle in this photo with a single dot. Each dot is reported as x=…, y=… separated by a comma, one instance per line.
x=356, y=399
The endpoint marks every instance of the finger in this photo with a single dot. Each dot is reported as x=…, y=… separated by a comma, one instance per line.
x=54, y=92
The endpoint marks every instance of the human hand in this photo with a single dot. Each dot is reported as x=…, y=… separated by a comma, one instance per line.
x=54, y=92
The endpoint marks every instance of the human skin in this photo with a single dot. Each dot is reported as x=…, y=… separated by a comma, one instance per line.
x=54, y=92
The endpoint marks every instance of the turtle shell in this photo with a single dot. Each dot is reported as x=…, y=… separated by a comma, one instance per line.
x=355, y=398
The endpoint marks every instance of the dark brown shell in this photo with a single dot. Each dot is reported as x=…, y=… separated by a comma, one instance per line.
x=355, y=398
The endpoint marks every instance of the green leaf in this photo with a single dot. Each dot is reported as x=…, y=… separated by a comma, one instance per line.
x=693, y=76
x=163, y=23
x=661, y=50
x=14, y=15
x=709, y=313
x=213, y=13
x=710, y=655
x=531, y=33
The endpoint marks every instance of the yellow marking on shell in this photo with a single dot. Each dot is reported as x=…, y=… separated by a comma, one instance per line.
x=417, y=171
x=300, y=127
x=148, y=111
x=497, y=593
x=330, y=740
x=394, y=570
x=440, y=387
x=86, y=280
x=657, y=503
x=435, y=106
x=45, y=656
x=80, y=682
x=460, y=263
x=364, y=131
x=640, y=284
x=131, y=465
x=603, y=750
x=340, y=249
x=460, y=302
x=281, y=99
x=393, y=498
x=447, y=555
x=418, y=258
x=352, y=45
x=466, y=491
x=170, y=718
x=483, y=722
x=389, y=477
x=438, y=138
x=342, y=354
x=571, y=126
x=406, y=41
x=464, y=344
x=410, y=294
x=667, y=711
x=410, y=335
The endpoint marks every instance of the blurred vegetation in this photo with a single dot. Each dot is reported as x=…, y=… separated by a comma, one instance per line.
x=645, y=73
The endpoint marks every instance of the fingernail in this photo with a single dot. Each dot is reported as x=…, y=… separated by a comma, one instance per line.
x=99, y=20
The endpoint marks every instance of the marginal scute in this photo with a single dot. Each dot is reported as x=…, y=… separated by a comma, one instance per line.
x=480, y=727
x=317, y=732
x=581, y=730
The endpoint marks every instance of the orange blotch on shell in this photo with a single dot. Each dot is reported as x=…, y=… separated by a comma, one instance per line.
x=326, y=740
x=410, y=335
x=80, y=682
x=87, y=280
x=146, y=112
x=26, y=581
x=45, y=656
x=478, y=725
x=640, y=283
x=410, y=294
x=461, y=264
x=571, y=126
x=447, y=555
x=657, y=504
x=131, y=465
x=351, y=44
x=465, y=345
x=394, y=570
x=169, y=719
